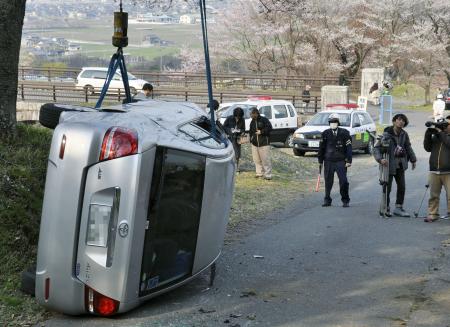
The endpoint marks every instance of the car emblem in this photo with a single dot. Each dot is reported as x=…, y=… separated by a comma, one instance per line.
x=123, y=229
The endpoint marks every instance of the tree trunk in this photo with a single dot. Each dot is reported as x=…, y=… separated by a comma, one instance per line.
x=447, y=74
x=11, y=21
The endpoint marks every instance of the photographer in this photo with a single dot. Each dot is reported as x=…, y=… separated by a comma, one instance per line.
x=235, y=127
x=437, y=141
x=397, y=145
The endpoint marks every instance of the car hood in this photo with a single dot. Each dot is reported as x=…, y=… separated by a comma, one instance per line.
x=314, y=129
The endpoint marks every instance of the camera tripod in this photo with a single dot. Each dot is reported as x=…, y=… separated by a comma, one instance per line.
x=384, y=181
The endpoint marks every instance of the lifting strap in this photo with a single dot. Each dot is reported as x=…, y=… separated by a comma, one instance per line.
x=117, y=60
x=208, y=67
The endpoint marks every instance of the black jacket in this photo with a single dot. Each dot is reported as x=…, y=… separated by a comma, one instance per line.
x=335, y=148
x=403, y=141
x=231, y=123
x=438, y=143
x=264, y=125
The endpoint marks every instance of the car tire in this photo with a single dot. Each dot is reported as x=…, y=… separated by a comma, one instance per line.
x=50, y=112
x=28, y=281
x=369, y=148
x=89, y=89
x=289, y=142
x=299, y=153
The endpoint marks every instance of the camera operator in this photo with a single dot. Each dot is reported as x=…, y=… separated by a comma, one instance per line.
x=398, y=146
x=437, y=141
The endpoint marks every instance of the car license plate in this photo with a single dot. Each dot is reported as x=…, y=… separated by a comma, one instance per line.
x=313, y=144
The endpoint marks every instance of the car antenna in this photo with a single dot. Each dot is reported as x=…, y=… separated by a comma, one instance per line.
x=119, y=40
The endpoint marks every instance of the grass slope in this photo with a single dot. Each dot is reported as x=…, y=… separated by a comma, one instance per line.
x=23, y=164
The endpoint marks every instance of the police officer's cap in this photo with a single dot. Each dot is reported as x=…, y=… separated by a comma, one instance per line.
x=402, y=117
x=333, y=118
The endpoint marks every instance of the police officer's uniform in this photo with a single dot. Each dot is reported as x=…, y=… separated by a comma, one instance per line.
x=335, y=152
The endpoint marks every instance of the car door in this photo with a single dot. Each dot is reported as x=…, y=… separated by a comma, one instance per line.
x=355, y=131
x=116, y=82
x=280, y=123
x=293, y=118
x=365, y=129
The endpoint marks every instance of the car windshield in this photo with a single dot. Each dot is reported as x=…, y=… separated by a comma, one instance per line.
x=131, y=77
x=228, y=111
x=321, y=119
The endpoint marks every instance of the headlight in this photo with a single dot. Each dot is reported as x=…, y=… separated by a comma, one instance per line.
x=299, y=136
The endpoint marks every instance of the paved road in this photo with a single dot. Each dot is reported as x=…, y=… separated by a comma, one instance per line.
x=321, y=267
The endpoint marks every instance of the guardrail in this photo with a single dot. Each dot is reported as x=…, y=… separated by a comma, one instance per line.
x=45, y=92
x=193, y=80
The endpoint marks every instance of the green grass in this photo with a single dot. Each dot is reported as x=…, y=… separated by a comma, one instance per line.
x=409, y=91
x=254, y=197
x=94, y=32
x=23, y=163
x=105, y=51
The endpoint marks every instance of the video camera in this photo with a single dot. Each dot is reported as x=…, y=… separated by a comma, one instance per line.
x=385, y=142
x=441, y=124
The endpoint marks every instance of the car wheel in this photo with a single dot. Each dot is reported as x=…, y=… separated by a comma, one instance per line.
x=299, y=153
x=50, y=112
x=133, y=91
x=289, y=143
x=370, y=147
x=28, y=281
x=89, y=89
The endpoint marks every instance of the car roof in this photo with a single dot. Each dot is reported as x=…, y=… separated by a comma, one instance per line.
x=341, y=111
x=94, y=68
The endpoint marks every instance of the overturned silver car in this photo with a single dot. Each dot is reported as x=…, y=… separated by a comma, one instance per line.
x=136, y=203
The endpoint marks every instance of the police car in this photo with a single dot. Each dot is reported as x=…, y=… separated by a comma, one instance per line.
x=281, y=113
x=358, y=122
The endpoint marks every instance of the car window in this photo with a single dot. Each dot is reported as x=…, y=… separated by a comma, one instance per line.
x=228, y=111
x=356, y=121
x=98, y=74
x=131, y=77
x=280, y=111
x=86, y=74
x=266, y=111
x=196, y=134
x=116, y=77
x=291, y=111
x=321, y=119
x=364, y=118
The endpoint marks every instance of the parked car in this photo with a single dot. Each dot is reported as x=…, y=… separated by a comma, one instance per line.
x=132, y=207
x=358, y=122
x=92, y=79
x=281, y=113
x=446, y=95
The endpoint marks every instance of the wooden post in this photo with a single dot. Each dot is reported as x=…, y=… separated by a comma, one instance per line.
x=54, y=93
x=186, y=96
x=118, y=95
x=22, y=93
x=86, y=94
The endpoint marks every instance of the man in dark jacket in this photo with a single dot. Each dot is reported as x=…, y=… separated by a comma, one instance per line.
x=235, y=127
x=336, y=152
x=400, y=152
x=260, y=128
x=437, y=141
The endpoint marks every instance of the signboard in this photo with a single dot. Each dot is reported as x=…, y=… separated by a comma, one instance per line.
x=362, y=103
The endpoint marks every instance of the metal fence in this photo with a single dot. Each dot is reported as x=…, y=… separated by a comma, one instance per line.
x=46, y=92
x=191, y=80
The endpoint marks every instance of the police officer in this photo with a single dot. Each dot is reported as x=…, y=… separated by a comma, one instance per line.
x=335, y=152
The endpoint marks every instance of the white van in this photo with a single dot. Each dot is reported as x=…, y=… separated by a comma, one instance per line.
x=281, y=113
x=92, y=80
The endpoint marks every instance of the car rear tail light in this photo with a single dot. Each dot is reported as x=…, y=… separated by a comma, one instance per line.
x=119, y=142
x=100, y=304
x=47, y=289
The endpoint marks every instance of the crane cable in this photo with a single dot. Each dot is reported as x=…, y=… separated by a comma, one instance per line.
x=208, y=67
